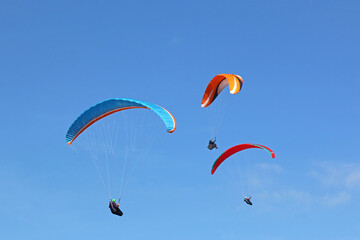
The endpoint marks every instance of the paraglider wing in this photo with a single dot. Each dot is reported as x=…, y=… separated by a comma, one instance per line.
x=105, y=108
x=236, y=149
x=217, y=84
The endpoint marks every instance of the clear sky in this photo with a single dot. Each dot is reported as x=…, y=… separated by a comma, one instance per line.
x=300, y=65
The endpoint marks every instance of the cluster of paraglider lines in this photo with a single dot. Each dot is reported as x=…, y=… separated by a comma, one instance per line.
x=110, y=106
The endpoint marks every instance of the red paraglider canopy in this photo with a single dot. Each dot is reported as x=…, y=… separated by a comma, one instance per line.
x=236, y=149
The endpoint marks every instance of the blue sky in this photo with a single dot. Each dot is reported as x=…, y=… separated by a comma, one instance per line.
x=300, y=65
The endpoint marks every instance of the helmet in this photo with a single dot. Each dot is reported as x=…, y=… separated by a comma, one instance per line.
x=114, y=200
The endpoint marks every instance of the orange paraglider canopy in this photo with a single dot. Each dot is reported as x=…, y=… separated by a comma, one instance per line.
x=217, y=84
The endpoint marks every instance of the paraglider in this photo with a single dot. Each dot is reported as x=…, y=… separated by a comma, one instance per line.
x=212, y=144
x=217, y=111
x=115, y=208
x=103, y=143
x=247, y=200
x=231, y=151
